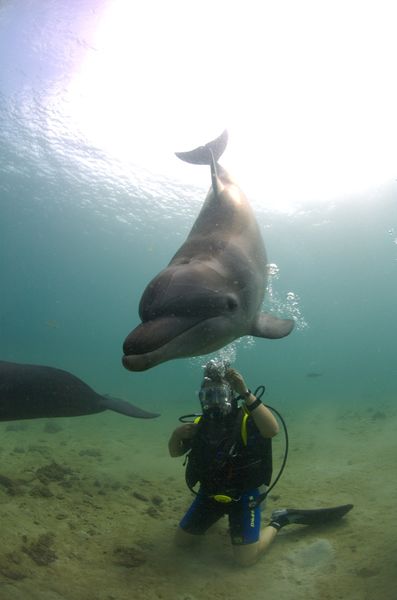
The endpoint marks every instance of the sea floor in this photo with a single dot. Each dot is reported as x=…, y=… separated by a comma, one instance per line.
x=89, y=507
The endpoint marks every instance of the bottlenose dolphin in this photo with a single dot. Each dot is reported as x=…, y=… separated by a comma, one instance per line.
x=35, y=391
x=212, y=290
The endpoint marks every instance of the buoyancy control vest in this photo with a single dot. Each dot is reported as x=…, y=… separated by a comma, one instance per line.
x=228, y=456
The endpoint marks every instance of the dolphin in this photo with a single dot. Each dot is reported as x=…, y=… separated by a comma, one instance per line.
x=212, y=290
x=34, y=392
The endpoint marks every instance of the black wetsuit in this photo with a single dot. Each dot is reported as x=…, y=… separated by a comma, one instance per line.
x=227, y=464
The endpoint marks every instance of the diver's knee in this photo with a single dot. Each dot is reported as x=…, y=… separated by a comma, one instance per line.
x=245, y=556
x=182, y=539
x=246, y=561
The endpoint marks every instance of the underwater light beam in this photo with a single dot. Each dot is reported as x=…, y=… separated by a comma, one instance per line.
x=315, y=118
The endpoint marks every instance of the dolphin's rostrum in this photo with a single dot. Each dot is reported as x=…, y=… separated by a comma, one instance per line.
x=212, y=290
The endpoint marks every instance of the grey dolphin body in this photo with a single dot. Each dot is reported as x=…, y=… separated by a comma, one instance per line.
x=212, y=290
x=35, y=391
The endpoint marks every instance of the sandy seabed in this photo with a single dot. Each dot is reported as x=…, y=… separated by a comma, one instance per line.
x=89, y=507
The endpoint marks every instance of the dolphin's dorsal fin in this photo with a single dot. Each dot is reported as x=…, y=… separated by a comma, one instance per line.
x=271, y=327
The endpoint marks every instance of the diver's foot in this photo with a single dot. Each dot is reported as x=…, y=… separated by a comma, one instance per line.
x=285, y=516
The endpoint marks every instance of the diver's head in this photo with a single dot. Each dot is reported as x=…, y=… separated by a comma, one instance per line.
x=216, y=396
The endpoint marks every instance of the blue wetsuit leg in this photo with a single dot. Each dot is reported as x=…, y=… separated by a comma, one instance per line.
x=202, y=513
x=245, y=522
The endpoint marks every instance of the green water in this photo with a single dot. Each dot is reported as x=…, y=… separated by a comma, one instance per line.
x=72, y=276
x=81, y=235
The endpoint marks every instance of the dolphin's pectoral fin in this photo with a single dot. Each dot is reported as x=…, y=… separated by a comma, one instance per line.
x=268, y=326
x=126, y=408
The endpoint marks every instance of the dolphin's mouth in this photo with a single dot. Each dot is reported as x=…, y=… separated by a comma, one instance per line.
x=157, y=341
x=151, y=335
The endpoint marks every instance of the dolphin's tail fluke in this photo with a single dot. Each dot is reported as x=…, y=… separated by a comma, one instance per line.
x=126, y=408
x=208, y=155
x=205, y=155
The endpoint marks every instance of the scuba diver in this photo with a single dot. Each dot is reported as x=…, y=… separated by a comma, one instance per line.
x=229, y=453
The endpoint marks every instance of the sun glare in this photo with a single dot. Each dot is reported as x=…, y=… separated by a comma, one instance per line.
x=307, y=91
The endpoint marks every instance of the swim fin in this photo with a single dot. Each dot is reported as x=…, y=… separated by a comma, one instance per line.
x=316, y=516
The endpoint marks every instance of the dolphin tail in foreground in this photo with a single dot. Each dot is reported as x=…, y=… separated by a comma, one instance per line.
x=208, y=155
x=126, y=408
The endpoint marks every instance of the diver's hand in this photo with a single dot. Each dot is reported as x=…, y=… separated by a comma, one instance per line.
x=176, y=443
x=185, y=431
x=236, y=381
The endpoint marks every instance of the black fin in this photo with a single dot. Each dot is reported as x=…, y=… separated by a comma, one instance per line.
x=202, y=154
x=126, y=408
x=316, y=516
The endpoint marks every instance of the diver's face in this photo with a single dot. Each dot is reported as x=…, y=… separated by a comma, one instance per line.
x=216, y=399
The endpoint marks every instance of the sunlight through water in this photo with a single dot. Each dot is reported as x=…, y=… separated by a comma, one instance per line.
x=310, y=108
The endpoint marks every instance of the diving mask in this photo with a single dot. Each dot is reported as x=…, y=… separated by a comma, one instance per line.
x=216, y=399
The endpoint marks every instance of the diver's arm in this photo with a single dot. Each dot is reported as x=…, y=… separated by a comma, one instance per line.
x=178, y=444
x=261, y=415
